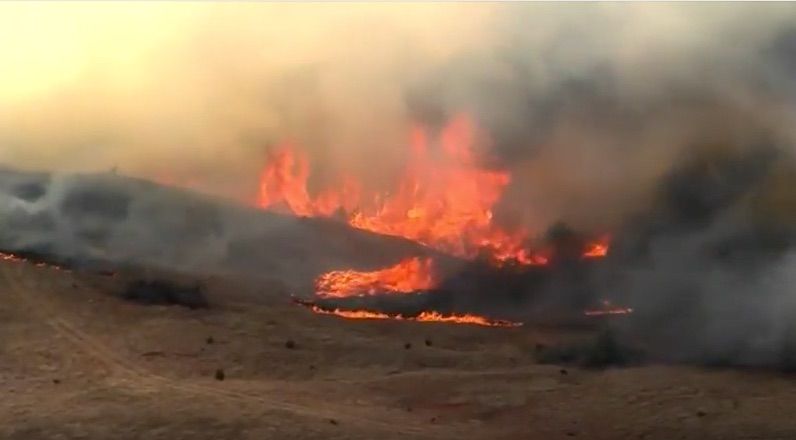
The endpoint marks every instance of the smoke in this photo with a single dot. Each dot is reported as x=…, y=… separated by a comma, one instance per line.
x=668, y=125
x=91, y=220
x=197, y=93
x=581, y=100
x=578, y=99
x=708, y=266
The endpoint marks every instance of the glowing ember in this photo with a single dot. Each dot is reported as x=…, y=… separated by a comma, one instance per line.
x=17, y=259
x=423, y=317
x=597, y=249
x=608, y=309
x=11, y=257
x=410, y=275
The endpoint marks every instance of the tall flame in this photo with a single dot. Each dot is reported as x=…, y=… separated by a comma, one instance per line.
x=443, y=200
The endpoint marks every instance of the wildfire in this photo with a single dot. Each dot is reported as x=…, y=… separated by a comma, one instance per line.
x=407, y=276
x=423, y=317
x=444, y=199
x=464, y=319
x=597, y=249
x=17, y=259
x=607, y=308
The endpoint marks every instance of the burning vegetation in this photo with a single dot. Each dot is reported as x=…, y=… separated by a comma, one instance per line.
x=444, y=200
x=421, y=317
x=405, y=277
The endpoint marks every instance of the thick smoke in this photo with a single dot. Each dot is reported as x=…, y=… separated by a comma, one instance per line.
x=709, y=266
x=89, y=220
x=669, y=126
x=582, y=100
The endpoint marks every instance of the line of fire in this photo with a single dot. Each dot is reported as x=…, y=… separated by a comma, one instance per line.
x=444, y=200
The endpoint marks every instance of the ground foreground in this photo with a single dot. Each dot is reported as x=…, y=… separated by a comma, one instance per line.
x=80, y=363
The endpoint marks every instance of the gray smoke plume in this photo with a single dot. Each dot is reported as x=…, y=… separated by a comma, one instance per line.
x=97, y=218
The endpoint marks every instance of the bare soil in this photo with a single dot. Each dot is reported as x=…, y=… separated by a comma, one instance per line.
x=77, y=362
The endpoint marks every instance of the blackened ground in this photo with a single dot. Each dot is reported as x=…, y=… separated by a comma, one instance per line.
x=165, y=292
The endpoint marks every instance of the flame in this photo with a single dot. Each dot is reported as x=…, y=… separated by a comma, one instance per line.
x=423, y=317
x=444, y=199
x=464, y=319
x=409, y=275
x=13, y=258
x=597, y=249
x=607, y=308
x=284, y=184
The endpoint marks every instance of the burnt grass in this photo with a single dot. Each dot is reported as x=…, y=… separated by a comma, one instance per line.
x=159, y=292
x=600, y=351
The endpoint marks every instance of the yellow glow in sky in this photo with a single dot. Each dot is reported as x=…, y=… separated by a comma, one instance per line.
x=49, y=45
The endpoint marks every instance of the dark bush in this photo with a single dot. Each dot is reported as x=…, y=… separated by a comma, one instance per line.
x=163, y=292
x=601, y=351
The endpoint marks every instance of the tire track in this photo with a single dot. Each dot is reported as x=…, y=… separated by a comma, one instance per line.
x=133, y=376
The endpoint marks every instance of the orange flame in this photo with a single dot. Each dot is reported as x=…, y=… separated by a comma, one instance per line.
x=423, y=317
x=443, y=200
x=597, y=249
x=17, y=259
x=407, y=276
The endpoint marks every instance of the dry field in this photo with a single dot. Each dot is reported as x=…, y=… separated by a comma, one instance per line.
x=81, y=363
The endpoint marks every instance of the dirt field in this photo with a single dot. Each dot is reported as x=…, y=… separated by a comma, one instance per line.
x=80, y=363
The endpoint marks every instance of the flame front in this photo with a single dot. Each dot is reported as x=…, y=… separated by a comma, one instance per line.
x=410, y=275
x=14, y=258
x=444, y=199
x=423, y=317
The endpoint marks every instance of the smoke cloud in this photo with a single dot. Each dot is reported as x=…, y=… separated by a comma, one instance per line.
x=671, y=126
